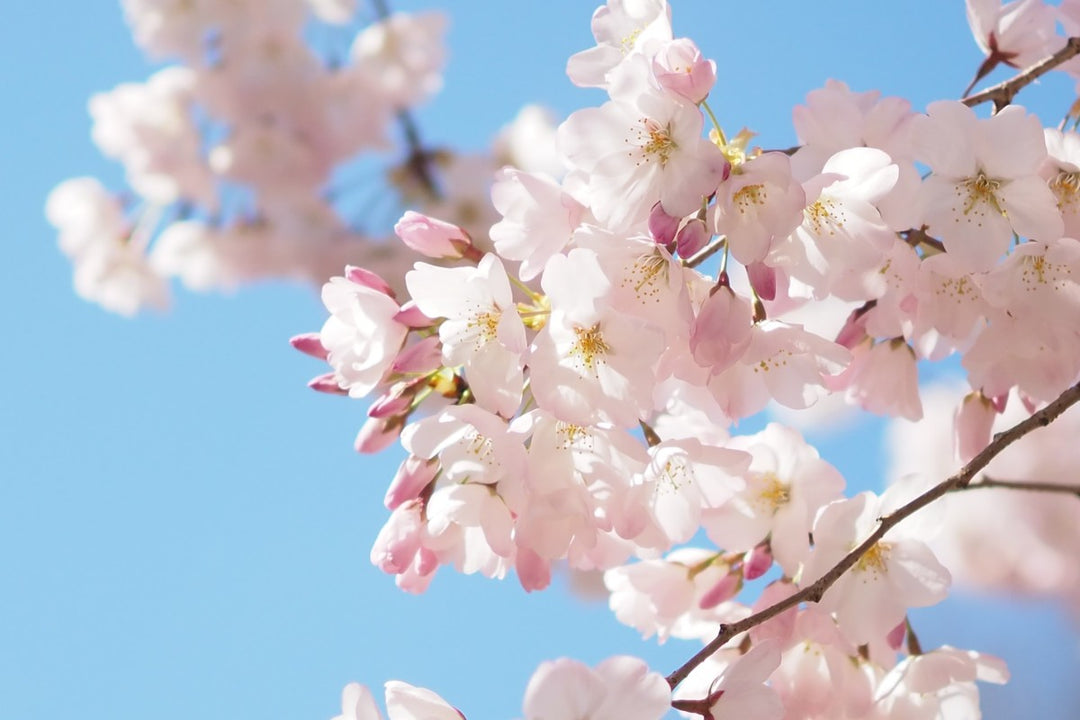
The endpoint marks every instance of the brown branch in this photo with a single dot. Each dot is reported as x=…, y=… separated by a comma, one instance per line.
x=1003, y=93
x=916, y=237
x=705, y=253
x=418, y=161
x=991, y=483
x=816, y=590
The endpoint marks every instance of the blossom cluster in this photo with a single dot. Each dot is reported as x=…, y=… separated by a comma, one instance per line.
x=242, y=156
x=566, y=386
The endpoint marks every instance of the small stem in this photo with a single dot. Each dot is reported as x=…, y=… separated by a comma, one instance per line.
x=650, y=435
x=715, y=122
x=913, y=645
x=990, y=483
x=705, y=253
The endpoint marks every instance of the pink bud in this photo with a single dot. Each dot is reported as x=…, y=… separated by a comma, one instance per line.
x=394, y=401
x=974, y=422
x=413, y=475
x=691, y=238
x=421, y=357
x=727, y=588
x=680, y=69
x=762, y=279
x=895, y=638
x=399, y=540
x=722, y=330
x=363, y=276
x=757, y=562
x=309, y=344
x=377, y=434
x=410, y=316
x=853, y=332
x=431, y=237
x=327, y=384
x=533, y=571
x=662, y=226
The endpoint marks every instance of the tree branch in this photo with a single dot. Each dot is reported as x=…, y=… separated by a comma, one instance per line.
x=417, y=161
x=816, y=590
x=705, y=253
x=1003, y=93
x=986, y=482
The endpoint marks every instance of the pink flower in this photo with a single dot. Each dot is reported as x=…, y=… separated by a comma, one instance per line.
x=679, y=68
x=985, y=184
x=619, y=688
x=361, y=336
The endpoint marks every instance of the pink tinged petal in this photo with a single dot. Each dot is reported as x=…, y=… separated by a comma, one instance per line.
x=763, y=280
x=757, y=561
x=496, y=377
x=419, y=358
x=533, y=571
x=633, y=691
x=725, y=589
x=691, y=238
x=309, y=344
x=328, y=384
x=1032, y=209
x=432, y=238
x=368, y=279
x=722, y=331
x=974, y=423
x=376, y=435
x=895, y=638
x=406, y=702
x=680, y=69
x=1011, y=143
x=762, y=703
x=944, y=139
x=563, y=689
x=974, y=231
x=410, y=316
x=413, y=475
x=662, y=226
x=399, y=540
x=916, y=573
x=357, y=703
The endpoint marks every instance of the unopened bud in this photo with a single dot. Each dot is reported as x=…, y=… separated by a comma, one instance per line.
x=363, y=276
x=680, y=69
x=309, y=344
x=431, y=237
x=757, y=562
x=691, y=238
x=327, y=384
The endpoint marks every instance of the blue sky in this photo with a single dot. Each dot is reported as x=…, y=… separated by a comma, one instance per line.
x=184, y=527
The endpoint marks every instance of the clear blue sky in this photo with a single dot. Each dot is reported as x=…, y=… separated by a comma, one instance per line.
x=184, y=527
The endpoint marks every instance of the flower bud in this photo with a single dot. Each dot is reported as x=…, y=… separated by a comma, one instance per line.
x=691, y=238
x=680, y=69
x=309, y=344
x=431, y=237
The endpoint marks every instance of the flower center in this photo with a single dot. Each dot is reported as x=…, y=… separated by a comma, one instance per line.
x=746, y=198
x=874, y=560
x=589, y=348
x=1066, y=188
x=773, y=493
x=981, y=190
x=655, y=141
x=824, y=216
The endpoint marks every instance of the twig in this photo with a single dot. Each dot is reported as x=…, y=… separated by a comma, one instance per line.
x=417, y=161
x=815, y=591
x=1003, y=93
x=990, y=483
x=705, y=253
